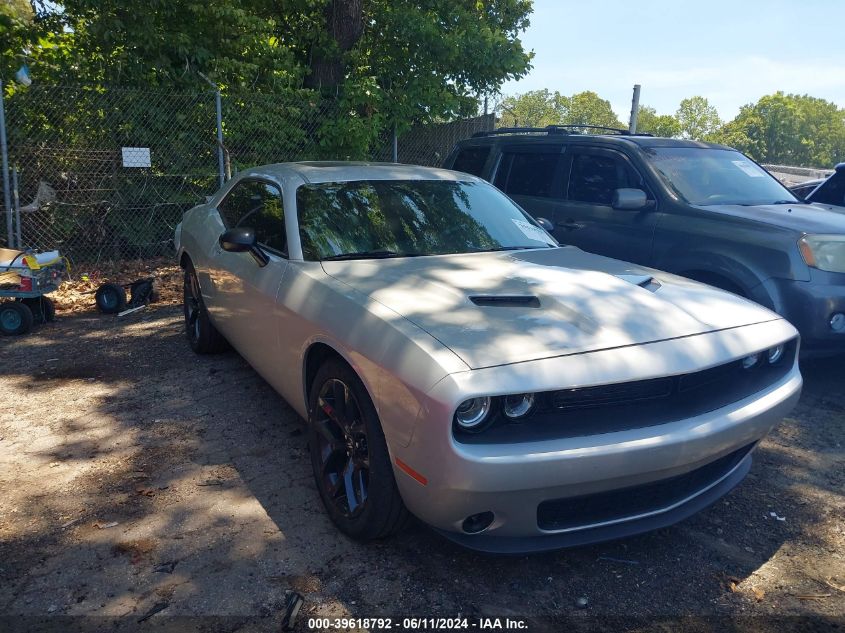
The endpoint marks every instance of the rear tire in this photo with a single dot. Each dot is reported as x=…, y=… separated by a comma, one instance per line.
x=15, y=318
x=349, y=456
x=110, y=298
x=203, y=337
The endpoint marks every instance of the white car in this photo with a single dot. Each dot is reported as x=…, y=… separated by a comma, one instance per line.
x=453, y=361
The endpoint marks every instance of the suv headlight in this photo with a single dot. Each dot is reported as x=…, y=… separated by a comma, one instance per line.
x=825, y=252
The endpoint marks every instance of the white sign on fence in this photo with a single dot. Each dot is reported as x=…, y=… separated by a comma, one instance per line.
x=136, y=156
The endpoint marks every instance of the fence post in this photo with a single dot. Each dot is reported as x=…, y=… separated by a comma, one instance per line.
x=4, y=150
x=221, y=163
x=395, y=145
x=16, y=203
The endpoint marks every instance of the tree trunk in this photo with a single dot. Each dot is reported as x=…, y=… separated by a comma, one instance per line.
x=345, y=23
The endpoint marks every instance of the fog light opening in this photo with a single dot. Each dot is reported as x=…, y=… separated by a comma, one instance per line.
x=476, y=523
x=750, y=361
x=837, y=322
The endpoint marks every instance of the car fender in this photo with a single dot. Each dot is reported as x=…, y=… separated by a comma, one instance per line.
x=744, y=275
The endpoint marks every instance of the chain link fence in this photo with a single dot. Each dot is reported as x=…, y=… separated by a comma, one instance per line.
x=105, y=174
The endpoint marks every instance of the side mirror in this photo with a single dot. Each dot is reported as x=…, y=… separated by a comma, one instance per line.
x=238, y=240
x=547, y=226
x=629, y=199
x=242, y=240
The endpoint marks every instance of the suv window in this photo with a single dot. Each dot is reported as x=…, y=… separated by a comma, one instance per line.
x=528, y=174
x=832, y=190
x=257, y=205
x=471, y=160
x=594, y=177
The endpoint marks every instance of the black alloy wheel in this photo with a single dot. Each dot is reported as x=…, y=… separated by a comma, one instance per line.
x=349, y=456
x=202, y=335
x=343, y=448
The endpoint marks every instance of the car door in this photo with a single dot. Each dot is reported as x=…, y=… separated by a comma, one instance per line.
x=531, y=175
x=831, y=191
x=587, y=218
x=245, y=308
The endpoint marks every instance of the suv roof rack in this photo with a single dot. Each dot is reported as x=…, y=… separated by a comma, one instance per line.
x=554, y=129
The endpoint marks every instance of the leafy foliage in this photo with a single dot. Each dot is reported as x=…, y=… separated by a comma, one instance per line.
x=788, y=129
x=649, y=122
x=698, y=120
x=411, y=62
x=539, y=108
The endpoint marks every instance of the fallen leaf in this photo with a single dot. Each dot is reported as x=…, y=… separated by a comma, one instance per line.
x=758, y=593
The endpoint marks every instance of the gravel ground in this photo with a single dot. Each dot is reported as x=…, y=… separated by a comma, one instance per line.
x=139, y=479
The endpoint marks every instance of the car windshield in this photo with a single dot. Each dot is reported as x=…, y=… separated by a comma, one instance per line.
x=703, y=176
x=365, y=219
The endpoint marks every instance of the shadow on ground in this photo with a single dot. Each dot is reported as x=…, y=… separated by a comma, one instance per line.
x=140, y=479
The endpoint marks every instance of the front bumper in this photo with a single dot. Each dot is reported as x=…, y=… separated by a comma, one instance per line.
x=809, y=305
x=513, y=480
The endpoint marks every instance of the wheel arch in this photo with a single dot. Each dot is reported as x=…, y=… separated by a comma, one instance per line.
x=714, y=267
x=717, y=279
x=318, y=353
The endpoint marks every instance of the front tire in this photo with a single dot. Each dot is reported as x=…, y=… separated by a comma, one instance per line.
x=15, y=318
x=203, y=337
x=349, y=456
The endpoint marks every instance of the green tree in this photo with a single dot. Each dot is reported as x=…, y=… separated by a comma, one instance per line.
x=383, y=64
x=649, y=122
x=698, y=120
x=537, y=108
x=587, y=108
x=788, y=129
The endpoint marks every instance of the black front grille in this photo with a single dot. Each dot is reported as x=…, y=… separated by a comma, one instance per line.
x=599, y=409
x=561, y=514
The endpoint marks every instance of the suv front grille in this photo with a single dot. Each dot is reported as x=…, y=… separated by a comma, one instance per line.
x=563, y=514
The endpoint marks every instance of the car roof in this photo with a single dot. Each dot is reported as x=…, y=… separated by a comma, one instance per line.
x=341, y=171
x=587, y=139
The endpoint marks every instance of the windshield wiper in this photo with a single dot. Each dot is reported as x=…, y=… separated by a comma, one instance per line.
x=378, y=254
x=786, y=202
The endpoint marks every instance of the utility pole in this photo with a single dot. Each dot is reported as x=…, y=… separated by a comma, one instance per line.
x=635, y=109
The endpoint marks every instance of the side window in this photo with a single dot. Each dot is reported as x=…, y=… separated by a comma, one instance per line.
x=593, y=178
x=257, y=205
x=527, y=174
x=832, y=191
x=471, y=160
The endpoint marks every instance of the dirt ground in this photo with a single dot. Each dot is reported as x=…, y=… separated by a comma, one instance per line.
x=139, y=480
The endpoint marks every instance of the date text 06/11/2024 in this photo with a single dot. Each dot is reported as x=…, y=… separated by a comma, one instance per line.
x=418, y=624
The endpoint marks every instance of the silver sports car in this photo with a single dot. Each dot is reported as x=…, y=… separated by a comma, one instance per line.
x=453, y=361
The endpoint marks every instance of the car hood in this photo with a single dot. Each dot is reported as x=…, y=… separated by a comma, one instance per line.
x=801, y=217
x=500, y=308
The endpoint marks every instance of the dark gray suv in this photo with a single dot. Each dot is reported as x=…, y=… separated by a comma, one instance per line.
x=700, y=210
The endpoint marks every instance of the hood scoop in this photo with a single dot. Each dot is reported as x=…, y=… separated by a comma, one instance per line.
x=643, y=281
x=506, y=301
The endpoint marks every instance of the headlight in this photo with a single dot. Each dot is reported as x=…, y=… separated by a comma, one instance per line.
x=825, y=252
x=518, y=406
x=472, y=413
x=775, y=354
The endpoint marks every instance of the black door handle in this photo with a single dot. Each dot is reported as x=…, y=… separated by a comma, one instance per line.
x=570, y=225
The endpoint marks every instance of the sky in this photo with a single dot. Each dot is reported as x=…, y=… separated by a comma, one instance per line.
x=731, y=51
